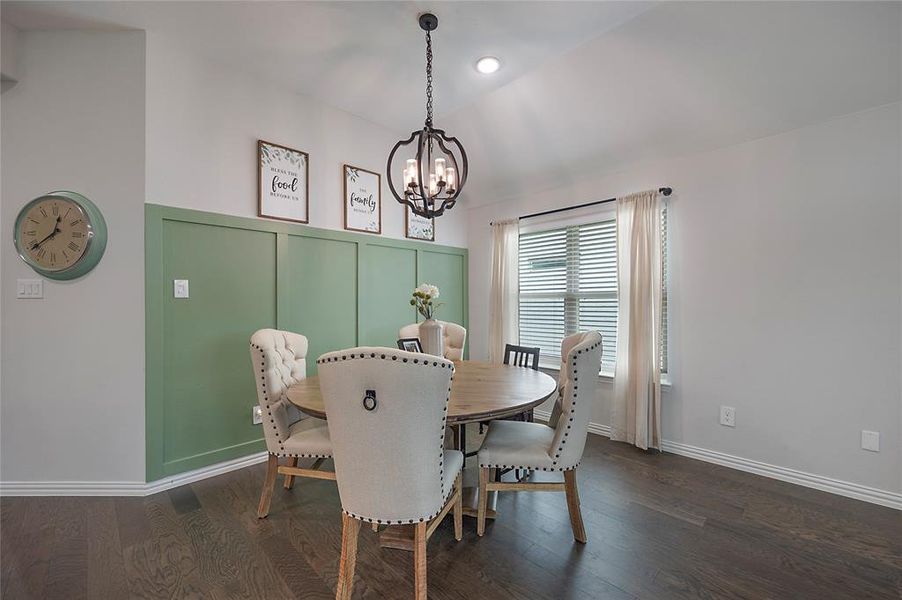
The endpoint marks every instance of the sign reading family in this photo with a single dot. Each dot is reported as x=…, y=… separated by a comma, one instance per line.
x=283, y=182
x=362, y=200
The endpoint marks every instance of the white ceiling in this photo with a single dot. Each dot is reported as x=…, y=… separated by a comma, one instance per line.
x=678, y=79
x=367, y=58
x=585, y=86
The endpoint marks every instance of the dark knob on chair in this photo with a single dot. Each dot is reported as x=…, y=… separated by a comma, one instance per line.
x=369, y=401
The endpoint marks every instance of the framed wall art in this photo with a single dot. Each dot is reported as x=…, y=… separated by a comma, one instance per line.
x=417, y=227
x=362, y=195
x=283, y=182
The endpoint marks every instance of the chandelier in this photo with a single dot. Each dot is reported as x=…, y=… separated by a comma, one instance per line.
x=433, y=178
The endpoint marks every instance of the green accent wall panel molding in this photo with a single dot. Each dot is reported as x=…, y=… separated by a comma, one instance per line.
x=318, y=287
x=339, y=289
x=446, y=270
x=389, y=278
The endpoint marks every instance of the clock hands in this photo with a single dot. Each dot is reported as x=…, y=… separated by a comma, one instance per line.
x=55, y=231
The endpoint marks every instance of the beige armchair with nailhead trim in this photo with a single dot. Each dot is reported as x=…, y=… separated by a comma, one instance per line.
x=454, y=337
x=387, y=411
x=279, y=360
x=540, y=447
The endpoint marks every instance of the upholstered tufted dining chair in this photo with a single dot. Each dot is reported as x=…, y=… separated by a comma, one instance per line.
x=279, y=360
x=454, y=337
x=387, y=410
x=539, y=447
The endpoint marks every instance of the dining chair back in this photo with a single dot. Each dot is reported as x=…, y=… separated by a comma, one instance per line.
x=536, y=446
x=279, y=360
x=454, y=338
x=387, y=412
x=583, y=361
x=521, y=356
x=567, y=344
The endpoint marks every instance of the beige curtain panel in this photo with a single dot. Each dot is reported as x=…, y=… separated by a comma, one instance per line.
x=636, y=408
x=504, y=295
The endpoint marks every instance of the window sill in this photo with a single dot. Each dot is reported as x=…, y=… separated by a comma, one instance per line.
x=605, y=375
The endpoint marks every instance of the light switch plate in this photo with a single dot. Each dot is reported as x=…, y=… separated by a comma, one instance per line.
x=180, y=288
x=870, y=440
x=29, y=288
x=257, y=415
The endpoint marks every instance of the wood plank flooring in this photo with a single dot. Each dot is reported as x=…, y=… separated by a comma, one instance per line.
x=659, y=526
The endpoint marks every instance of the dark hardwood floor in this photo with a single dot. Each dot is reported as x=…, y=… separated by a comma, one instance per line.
x=659, y=526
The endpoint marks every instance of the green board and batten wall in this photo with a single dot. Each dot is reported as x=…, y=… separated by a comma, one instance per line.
x=339, y=289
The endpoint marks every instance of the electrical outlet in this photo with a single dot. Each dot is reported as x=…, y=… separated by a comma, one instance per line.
x=257, y=415
x=870, y=440
x=728, y=416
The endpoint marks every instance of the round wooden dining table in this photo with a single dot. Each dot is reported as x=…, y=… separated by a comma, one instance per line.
x=480, y=391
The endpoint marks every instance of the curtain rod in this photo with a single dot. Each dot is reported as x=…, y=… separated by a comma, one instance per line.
x=664, y=190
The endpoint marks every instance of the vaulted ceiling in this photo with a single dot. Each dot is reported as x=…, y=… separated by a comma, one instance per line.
x=584, y=87
x=367, y=58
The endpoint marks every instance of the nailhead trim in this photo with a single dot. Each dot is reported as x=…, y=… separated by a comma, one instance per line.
x=441, y=455
x=400, y=521
x=528, y=467
x=569, y=414
x=269, y=406
x=284, y=455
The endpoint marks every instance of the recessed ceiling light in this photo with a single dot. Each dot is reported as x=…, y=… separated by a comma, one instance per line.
x=488, y=64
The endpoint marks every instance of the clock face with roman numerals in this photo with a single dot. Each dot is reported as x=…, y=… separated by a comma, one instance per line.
x=55, y=234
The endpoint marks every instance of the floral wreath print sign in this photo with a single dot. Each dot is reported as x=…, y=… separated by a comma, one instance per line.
x=419, y=228
x=362, y=200
x=283, y=182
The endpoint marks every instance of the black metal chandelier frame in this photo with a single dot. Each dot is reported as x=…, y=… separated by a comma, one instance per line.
x=417, y=193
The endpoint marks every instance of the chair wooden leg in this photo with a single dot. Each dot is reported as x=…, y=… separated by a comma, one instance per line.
x=272, y=469
x=289, y=479
x=483, y=500
x=419, y=561
x=576, y=517
x=350, y=527
x=459, y=510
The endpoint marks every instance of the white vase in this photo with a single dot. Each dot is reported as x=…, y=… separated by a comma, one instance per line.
x=432, y=338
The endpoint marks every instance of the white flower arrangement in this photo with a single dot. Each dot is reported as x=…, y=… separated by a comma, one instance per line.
x=423, y=297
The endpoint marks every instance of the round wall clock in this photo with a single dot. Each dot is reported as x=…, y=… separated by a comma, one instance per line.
x=61, y=235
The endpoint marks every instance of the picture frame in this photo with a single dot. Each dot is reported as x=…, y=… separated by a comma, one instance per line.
x=362, y=199
x=283, y=182
x=417, y=227
x=410, y=345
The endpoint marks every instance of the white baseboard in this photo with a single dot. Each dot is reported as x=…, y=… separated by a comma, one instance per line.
x=810, y=480
x=124, y=488
x=72, y=488
x=135, y=488
x=166, y=483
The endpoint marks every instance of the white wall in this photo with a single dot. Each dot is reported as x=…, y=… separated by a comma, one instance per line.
x=9, y=55
x=203, y=123
x=72, y=387
x=785, y=299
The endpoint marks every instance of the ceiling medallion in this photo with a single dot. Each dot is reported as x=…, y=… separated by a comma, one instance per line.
x=433, y=178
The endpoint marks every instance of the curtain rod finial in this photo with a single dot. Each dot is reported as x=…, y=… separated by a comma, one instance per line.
x=666, y=191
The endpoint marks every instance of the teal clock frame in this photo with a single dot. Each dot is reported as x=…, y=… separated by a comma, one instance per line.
x=96, y=244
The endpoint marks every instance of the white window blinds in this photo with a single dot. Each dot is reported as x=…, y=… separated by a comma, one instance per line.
x=568, y=283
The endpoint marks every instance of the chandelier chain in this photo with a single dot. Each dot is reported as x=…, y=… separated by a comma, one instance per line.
x=429, y=79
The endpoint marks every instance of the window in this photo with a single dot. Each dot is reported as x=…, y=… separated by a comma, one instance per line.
x=568, y=283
